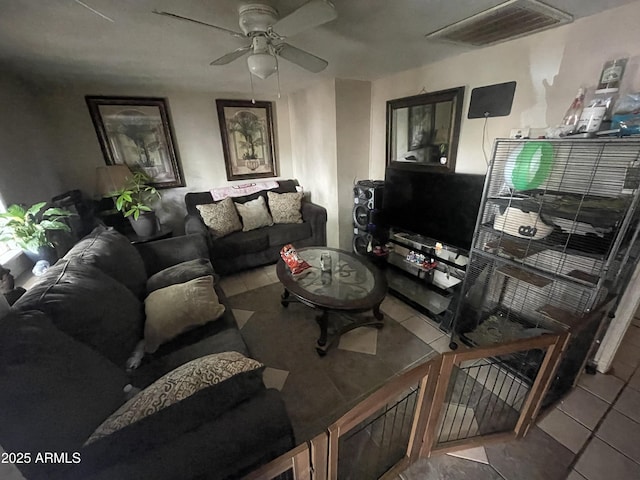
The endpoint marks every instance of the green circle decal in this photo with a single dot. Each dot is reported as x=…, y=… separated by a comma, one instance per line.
x=533, y=165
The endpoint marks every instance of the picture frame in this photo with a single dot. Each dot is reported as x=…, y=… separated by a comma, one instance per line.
x=247, y=138
x=423, y=131
x=137, y=132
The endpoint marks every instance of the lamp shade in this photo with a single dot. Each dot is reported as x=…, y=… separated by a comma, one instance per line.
x=262, y=64
x=110, y=178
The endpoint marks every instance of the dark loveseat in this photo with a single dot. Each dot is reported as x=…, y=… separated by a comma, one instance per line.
x=63, y=350
x=243, y=250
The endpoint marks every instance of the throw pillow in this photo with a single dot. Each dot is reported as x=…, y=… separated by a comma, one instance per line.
x=221, y=218
x=254, y=214
x=177, y=308
x=285, y=207
x=176, y=386
x=180, y=273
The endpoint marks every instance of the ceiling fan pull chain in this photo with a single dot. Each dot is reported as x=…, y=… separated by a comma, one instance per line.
x=278, y=74
x=253, y=97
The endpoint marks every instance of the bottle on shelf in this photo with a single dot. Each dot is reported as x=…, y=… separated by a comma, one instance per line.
x=572, y=116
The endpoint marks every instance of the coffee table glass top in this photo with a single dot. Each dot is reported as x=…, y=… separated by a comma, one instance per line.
x=349, y=278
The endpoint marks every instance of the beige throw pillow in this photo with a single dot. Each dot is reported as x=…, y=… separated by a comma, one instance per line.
x=178, y=308
x=221, y=218
x=285, y=207
x=174, y=387
x=254, y=214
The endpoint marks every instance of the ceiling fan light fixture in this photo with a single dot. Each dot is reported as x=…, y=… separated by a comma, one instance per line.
x=262, y=64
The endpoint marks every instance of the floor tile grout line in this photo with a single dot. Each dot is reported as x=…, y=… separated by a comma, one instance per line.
x=593, y=435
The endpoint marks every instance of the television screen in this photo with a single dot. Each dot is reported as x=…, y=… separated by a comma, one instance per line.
x=441, y=206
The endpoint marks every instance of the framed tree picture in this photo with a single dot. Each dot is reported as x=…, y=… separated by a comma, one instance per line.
x=137, y=132
x=247, y=138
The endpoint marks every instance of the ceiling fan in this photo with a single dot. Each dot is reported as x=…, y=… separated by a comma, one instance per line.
x=266, y=31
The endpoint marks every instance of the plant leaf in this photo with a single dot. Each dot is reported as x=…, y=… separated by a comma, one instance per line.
x=35, y=208
x=61, y=212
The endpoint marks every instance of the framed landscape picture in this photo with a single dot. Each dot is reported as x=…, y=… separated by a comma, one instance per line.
x=137, y=132
x=247, y=138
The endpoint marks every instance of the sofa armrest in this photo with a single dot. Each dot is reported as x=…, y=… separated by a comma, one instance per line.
x=316, y=216
x=160, y=254
x=193, y=224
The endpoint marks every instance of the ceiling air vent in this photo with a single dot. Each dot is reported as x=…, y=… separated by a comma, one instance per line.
x=509, y=20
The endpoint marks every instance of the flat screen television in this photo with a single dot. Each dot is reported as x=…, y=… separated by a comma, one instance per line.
x=442, y=206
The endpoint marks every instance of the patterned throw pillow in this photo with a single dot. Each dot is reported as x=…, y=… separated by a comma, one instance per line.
x=221, y=218
x=174, y=387
x=285, y=207
x=254, y=214
x=177, y=308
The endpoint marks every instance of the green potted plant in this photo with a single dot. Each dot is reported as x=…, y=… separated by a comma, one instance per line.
x=135, y=199
x=28, y=227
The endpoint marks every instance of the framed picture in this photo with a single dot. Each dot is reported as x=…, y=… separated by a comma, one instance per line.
x=137, y=132
x=247, y=138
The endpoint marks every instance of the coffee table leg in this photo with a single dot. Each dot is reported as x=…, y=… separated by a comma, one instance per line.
x=284, y=298
x=378, y=316
x=323, y=321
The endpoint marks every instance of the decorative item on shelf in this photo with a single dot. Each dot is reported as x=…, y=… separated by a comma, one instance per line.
x=28, y=227
x=132, y=195
x=611, y=75
x=573, y=113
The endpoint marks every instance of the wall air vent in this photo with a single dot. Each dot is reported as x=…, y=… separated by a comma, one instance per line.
x=509, y=20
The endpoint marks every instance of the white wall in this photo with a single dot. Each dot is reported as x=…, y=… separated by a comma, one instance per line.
x=548, y=67
x=314, y=148
x=353, y=107
x=197, y=139
x=27, y=150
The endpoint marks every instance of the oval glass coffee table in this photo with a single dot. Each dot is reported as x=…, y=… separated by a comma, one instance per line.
x=353, y=285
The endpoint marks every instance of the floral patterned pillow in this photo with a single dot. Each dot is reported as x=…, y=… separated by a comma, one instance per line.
x=221, y=218
x=285, y=207
x=175, y=386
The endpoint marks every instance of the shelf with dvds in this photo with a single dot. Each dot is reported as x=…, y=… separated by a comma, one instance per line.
x=554, y=244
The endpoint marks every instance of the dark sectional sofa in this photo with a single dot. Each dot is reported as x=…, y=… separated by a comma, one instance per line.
x=243, y=250
x=63, y=350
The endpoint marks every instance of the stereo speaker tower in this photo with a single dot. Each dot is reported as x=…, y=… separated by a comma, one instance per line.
x=367, y=207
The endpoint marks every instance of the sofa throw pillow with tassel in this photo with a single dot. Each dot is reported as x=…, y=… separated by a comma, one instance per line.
x=206, y=373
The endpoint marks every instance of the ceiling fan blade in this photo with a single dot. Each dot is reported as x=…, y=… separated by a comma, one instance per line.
x=231, y=56
x=180, y=17
x=304, y=59
x=311, y=14
x=91, y=9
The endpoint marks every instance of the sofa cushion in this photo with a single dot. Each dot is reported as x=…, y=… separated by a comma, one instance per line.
x=285, y=207
x=254, y=214
x=55, y=390
x=90, y=306
x=241, y=242
x=113, y=253
x=221, y=218
x=288, y=233
x=177, y=308
x=180, y=273
x=204, y=373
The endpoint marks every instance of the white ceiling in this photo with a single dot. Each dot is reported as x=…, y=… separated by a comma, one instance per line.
x=370, y=39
